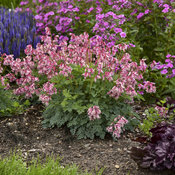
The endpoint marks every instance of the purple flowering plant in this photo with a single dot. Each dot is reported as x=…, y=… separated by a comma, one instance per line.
x=150, y=24
x=167, y=72
x=17, y=30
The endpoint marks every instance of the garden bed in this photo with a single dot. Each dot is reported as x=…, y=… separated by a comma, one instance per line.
x=25, y=133
x=82, y=69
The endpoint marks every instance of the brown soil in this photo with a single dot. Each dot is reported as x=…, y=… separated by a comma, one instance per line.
x=25, y=133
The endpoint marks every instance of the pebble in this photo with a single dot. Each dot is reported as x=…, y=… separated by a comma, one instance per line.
x=12, y=125
x=86, y=145
x=117, y=166
x=118, y=149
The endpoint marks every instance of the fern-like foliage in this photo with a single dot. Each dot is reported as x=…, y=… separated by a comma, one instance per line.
x=79, y=123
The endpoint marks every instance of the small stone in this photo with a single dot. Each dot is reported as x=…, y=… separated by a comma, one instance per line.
x=118, y=149
x=79, y=155
x=137, y=130
x=12, y=126
x=125, y=149
x=33, y=150
x=9, y=124
x=86, y=145
x=37, y=138
x=117, y=166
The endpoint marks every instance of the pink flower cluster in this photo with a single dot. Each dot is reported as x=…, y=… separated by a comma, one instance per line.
x=50, y=59
x=94, y=113
x=116, y=127
x=148, y=86
x=130, y=74
x=162, y=111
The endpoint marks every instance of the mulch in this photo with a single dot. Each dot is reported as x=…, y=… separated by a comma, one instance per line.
x=24, y=133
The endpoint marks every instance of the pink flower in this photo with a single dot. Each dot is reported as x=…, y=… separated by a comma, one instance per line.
x=45, y=99
x=161, y=110
x=116, y=127
x=143, y=65
x=149, y=87
x=153, y=64
x=94, y=112
x=28, y=50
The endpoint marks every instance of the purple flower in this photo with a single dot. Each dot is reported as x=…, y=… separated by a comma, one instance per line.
x=123, y=34
x=99, y=10
x=164, y=71
x=168, y=61
x=70, y=6
x=49, y=14
x=58, y=27
x=39, y=24
x=90, y=9
x=173, y=71
x=158, y=66
x=165, y=10
x=106, y=24
x=166, y=5
x=24, y=3
x=134, y=12
x=141, y=92
x=140, y=15
x=168, y=56
x=117, y=30
x=169, y=65
x=76, y=9
x=117, y=67
x=77, y=17
x=100, y=16
x=38, y=17
x=132, y=45
x=147, y=11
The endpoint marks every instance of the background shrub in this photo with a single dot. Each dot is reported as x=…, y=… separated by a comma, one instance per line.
x=10, y=3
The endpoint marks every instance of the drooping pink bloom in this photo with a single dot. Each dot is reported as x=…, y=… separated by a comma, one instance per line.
x=94, y=113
